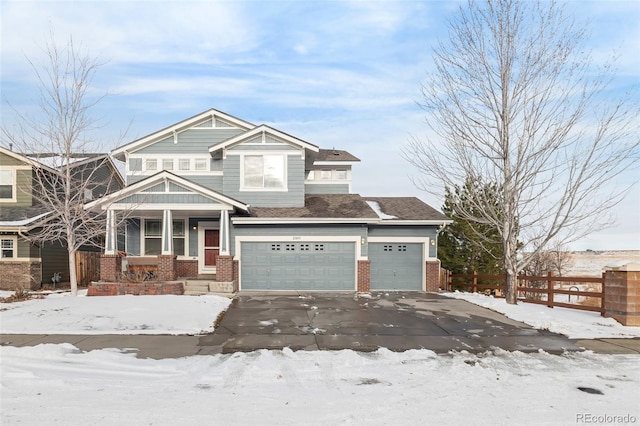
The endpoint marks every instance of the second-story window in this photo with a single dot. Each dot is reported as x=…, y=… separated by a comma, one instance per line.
x=184, y=164
x=264, y=172
x=201, y=164
x=7, y=185
x=151, y=164
x=167, y=164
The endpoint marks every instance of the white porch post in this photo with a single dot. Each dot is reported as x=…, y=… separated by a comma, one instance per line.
x=110, y=243
x=167, y=232
x=224, y=233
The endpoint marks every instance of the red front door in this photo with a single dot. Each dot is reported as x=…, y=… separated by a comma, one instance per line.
x=211, y=246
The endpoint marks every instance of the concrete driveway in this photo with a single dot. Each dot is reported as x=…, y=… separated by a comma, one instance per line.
x=397, y=321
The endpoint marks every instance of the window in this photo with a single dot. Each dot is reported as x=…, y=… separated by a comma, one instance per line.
x=304, y=247
x=402, y=248
x=184, y=164
x=325, y=174
x=167, y=164
x=290, y=247
x=7, y=248
x=7, y=185
x=387, y=248
x=264, y=172
x=151, y=164
x=319, y=247
x=153, y=237
x=341, y=174
x=202, y=164
x=275, y=247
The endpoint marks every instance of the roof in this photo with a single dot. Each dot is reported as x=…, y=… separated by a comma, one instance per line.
x=263, y=129
x=329, y=157
x=22, y=217
x=177, y=127
x=321, y=206
x=407, y=208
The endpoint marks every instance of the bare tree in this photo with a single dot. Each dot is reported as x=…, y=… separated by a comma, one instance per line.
x=58, y=135
x=516, y=100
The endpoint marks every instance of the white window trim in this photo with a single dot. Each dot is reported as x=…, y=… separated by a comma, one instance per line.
x=159, y=158
x=14, y=192
x=143, y=236
x=285, y=170
x=15, y=247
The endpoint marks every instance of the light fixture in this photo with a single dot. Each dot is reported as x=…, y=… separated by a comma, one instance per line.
x=433, y=242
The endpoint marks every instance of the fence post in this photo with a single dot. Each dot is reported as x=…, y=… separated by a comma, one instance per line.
x=475, y=282
x=550, y=285
x=604, y=274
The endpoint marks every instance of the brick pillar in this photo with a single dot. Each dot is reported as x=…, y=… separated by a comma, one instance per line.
x=224, y=269
x=433, y=275
x=110, y=267
x=236, y=275
x=364, y=276
x=167, y=270
x=622, y=294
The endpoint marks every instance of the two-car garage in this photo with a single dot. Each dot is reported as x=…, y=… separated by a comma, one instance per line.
x=329, y=265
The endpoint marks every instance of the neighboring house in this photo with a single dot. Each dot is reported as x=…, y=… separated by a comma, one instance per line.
x=263, y=210
x=24, y=264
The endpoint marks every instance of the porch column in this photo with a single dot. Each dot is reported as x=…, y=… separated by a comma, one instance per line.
x=167, y=232
x=224, y=233
x=110, y=244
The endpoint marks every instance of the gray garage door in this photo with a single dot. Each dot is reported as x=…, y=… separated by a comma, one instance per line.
x=396, y=266
x=298, y=266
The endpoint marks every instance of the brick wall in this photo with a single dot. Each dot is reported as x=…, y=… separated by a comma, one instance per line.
x=622, y=294
x=187, y=268
x=20, y=275
x=167, y=270
x=138, y=289
x=236, y=275
x=110, y=267
x=364, y=276
x=433, y=275
x=224, y=269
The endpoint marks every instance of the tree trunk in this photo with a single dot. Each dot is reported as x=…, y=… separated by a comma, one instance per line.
x=73, y=273
x=512, y=288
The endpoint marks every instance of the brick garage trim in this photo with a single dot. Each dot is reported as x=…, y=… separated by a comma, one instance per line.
x=364, y=276
x=432, y=275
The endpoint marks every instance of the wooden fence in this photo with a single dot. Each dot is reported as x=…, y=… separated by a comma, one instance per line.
x=87, y=267
x=531, y=289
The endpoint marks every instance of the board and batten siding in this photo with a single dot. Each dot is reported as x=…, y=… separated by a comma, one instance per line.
x=55, y=258
x=293, y=197
x=167, y=198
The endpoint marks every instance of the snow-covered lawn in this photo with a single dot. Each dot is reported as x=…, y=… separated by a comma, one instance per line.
x=58, y=384
x=60, y=313
x=572, y=323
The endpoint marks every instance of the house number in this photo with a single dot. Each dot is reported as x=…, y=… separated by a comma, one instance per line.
x=297, y=238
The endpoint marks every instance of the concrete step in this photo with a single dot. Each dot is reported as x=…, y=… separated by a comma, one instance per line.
x=206, y=286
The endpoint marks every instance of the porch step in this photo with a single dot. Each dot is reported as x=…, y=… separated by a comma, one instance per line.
x=198, y=287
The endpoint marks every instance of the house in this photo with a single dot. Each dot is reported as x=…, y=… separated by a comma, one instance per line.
x=255, y=208
x=23, y=263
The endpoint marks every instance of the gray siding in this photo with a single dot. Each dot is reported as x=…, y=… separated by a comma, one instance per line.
x=326, y=188
x=193, y=141
x=294, y=197
x=211, y=182
x=27, y=250
x=279, y=147
x=294, y=230
x=407, y=231
x=55, y=258
x=182, y=198
x=156, y=188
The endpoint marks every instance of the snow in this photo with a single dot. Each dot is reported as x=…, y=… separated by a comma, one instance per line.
x=23, y=222
x=375, y=206
x=59, y=384
x=572, y=323
x=60, y=313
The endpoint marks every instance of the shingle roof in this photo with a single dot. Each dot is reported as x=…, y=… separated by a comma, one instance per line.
x=329, y=155
x=407, y=208
x=20, y=214
x=345, y=206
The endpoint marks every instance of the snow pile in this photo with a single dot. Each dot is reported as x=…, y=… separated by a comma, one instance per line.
x=60, y=313
x=572, y=323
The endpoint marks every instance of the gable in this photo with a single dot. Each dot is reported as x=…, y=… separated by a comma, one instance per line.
x=208, y=120
x=262, y=138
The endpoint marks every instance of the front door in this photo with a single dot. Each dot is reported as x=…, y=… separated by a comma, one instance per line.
x=211, y=247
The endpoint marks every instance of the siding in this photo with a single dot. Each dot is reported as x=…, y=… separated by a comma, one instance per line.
x=26, y=249
x=407, y=231
x=294, y=197
x=135, y=164
x=55, y=258
x=192, y=141
x=24, y=182
x=294, y=230
x=326, y=188
x=182, y=198
x=263, y=147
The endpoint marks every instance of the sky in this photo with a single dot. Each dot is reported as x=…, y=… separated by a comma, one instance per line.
x=61, y=384
x=343, y=74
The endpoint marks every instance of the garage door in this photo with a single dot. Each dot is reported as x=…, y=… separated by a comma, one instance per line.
x=298, y=266
x=396, y=266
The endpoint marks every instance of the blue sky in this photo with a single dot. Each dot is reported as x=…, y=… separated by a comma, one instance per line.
x=342, y=74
